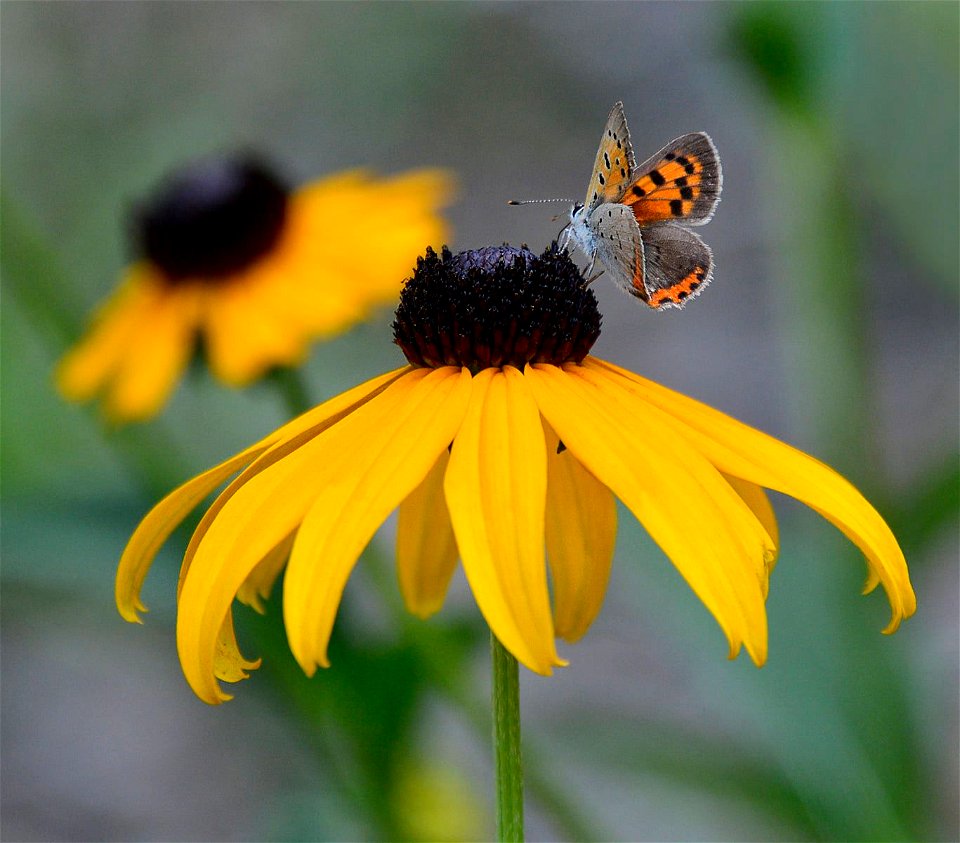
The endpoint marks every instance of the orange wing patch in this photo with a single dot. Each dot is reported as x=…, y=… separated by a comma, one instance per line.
x=681, y=291
x=669, y=191
x=681, y=182
x=614, y=165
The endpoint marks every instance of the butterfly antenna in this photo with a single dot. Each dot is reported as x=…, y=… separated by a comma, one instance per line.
x=535, y=201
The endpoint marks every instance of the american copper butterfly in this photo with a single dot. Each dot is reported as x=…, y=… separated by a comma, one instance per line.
x=634, y=219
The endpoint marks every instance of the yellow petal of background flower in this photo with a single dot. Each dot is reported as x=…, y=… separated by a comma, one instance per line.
x=85, y=368
x=742, y=451
x=496, y=487
x=426, y=547
x=581, y=530
x=370, y=463
x=702, y=525
x=400, y=215
x=155, y=356
x=167, y=515
x=245, y=336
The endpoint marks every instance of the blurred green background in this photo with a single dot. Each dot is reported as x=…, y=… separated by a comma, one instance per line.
x=832, y=323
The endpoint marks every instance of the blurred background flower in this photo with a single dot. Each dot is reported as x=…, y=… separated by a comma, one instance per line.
x=228, y=257
x=832, y=323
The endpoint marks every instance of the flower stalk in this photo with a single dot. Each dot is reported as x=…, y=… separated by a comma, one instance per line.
x=506, y=743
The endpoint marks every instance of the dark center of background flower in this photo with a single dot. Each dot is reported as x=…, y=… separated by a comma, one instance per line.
x=496, y=306
x=212, y=218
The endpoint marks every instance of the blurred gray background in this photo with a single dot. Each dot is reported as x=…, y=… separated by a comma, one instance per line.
x=831, y=323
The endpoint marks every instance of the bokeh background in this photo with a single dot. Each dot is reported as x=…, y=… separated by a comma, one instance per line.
x=832, y=323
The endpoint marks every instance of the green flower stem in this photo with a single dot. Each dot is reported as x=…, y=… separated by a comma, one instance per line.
x=506, y=743
x=568, y=817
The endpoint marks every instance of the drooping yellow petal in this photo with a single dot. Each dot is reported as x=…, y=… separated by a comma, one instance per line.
x=261, y=512
x=284, y=441
x=228, y=662
x=742, y=451
x=155, y=357
x=257, y=587
x=368, y=465
x=281, y=442
x=581, y=530
x=754, y=497
x=167, y=515
x=86, y=367
x=702, y=525
x=496, y=487
x=159, y=523
x=426, y=547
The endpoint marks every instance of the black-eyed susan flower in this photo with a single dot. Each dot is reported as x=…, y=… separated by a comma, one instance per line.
x=503, y=444
x=229, y=256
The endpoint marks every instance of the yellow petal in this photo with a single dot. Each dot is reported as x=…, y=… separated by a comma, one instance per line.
x=401, y=216
x=366, y=466
x=159, y=523
x=754, y=497
x=257, y=587
x=426, y=548
x=228, y=662
x=86, y=367
x=742, y=451
x=245, y=335
x=496, y=487
x=581, y=536
x=281, y=442
x=155, y=357
x=321, y=276
x=284, y=441
x=261, y=512
x=702, y=525
x=167, y=515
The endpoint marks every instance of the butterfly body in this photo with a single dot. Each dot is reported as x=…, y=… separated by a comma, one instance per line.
x=634, y=219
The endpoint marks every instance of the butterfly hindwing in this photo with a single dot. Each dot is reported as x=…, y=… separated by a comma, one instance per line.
x=618, y=246
x=677, y=265
x=681, y=182
x=614, y=165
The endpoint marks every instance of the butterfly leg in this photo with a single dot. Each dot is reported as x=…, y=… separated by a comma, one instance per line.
x=588, y=272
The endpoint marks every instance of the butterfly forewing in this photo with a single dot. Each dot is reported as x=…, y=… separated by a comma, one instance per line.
x=619, y=247
x=681, y=182
x=677, y=265
x=614, y=166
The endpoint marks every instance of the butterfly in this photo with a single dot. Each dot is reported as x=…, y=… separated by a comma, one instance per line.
x=634, y=219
